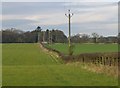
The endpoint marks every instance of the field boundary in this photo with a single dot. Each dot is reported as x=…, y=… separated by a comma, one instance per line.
x=53, y=54
x=107, y=58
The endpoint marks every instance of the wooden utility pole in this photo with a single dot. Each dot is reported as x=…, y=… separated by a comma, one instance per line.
x=49, y=37
x=38, y=37
x=69, y=15
x=43, y=36
x=38, y=31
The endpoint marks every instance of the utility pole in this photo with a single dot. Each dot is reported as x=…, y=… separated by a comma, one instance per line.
x=38, y=37
x=69, y=15
x=43, y=36
x=49, y=37
x=38, y=31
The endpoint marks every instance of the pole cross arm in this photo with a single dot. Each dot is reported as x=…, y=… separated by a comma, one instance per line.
x=69, y=14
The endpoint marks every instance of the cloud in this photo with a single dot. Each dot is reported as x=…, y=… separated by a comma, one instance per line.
x=0, y=17
x=108, y=14
x=60, y=0
x=88, y=17
x=15, y=23
x=30, y=8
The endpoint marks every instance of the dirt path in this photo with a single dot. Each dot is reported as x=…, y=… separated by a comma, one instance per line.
x=55, y=56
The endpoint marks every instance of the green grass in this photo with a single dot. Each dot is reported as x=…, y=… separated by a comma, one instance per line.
x=29, y=65
x=25, y=54
x=85, y=48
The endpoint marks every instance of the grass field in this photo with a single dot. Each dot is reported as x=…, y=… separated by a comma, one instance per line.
x=29, y=65
x=85, y=48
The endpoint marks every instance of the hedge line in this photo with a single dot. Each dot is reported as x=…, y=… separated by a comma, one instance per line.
x=111, y=59
x=108, y=58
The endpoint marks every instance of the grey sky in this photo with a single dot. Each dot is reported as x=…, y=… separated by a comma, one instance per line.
x=100, y=17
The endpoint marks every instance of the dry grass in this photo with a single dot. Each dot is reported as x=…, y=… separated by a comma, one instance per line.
x=109, y=70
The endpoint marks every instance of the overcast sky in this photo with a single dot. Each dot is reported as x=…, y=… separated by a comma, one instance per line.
x=89, y=17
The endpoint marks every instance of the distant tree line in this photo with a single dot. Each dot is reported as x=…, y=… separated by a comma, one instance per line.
x=14, y=35
x=17, y=36
x=95, y=38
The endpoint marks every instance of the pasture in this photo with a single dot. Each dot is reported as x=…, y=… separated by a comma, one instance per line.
x=30, y=65
x=84, y=48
